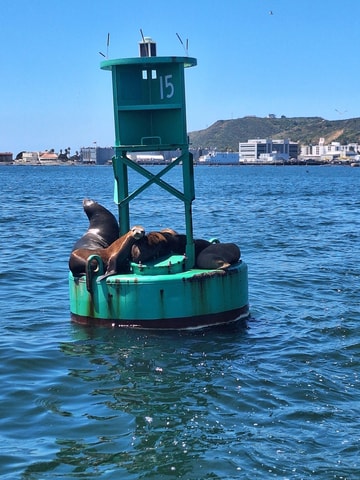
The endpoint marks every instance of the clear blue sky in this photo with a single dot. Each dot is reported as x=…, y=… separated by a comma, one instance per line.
x=303, y=60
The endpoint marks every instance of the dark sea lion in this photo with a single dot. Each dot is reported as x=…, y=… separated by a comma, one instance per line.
x=179, y=244
x=218, y=255
x=103, y=228
x=115, y=257
x=200, y=245
x=161, y=244
x=153, y=245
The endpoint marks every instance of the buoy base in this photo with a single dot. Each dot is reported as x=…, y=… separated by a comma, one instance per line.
x=184, y=323
x=162, y=296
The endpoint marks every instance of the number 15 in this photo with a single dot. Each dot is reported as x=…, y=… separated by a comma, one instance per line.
x=166, y=87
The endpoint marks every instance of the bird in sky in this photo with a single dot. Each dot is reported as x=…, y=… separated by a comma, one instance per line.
x=340, y=112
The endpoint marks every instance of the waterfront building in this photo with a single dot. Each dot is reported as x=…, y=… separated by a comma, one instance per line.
x=31, y=158
x=330, y=152
x=96, y=155
x=6, y=157
x=48, y=158
x=267, y=150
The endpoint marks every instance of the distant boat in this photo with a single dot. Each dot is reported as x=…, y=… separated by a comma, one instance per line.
x=220, y=158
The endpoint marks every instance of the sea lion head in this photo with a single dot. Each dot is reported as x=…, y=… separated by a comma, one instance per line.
x=137, y=232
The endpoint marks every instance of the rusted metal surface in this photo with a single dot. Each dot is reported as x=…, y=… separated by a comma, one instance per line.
x=189, y=299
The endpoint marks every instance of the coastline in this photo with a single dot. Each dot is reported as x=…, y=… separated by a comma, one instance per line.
x=299, y=163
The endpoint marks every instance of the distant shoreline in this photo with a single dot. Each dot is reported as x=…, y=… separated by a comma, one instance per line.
x=299, y=163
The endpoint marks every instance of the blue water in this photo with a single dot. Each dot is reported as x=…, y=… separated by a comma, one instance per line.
x=279, y=399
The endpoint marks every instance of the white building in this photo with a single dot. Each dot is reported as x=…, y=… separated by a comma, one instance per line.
x=29, y=157
x=330, y=152
x=267, y=150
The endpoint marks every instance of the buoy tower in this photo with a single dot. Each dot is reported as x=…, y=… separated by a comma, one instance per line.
x=168, y=293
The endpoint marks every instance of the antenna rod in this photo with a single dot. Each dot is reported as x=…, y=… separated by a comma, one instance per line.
x=147, y=44
x=182, y=43
x=180, y=39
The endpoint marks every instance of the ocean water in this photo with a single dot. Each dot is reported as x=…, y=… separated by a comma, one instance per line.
x=278, y=398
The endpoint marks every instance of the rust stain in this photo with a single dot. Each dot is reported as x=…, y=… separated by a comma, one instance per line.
x=198, y=277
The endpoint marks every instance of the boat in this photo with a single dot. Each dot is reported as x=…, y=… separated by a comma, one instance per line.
x=219, y=158
x=172, y=291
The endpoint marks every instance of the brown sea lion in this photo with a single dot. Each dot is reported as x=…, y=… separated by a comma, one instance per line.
x=153, y=245
x=103, y=227
x=163, y=243
x=115, y=257
x=218, y=255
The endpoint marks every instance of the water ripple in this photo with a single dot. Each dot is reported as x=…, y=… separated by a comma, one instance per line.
x=276, y=399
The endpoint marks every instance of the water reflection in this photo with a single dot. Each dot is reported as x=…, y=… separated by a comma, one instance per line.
x=149, y=403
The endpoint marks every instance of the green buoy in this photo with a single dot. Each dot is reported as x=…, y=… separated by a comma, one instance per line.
x=168, y=292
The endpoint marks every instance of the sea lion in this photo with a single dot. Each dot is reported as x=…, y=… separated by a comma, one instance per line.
x=154, y=245
x=115, y=257
x=103, y=228
x=218, y=255
x=163, y=243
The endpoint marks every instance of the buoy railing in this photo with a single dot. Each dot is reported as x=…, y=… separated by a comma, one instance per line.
x=122, y=197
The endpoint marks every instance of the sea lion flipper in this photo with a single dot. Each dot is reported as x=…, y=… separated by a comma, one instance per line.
x=224, y=266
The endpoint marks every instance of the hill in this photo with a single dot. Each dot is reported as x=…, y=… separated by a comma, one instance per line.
x=226, y=134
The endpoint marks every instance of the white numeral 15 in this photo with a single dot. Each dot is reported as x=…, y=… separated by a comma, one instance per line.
x=166, y=87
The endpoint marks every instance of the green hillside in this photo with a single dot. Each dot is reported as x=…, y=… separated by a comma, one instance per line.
x=226, y=134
